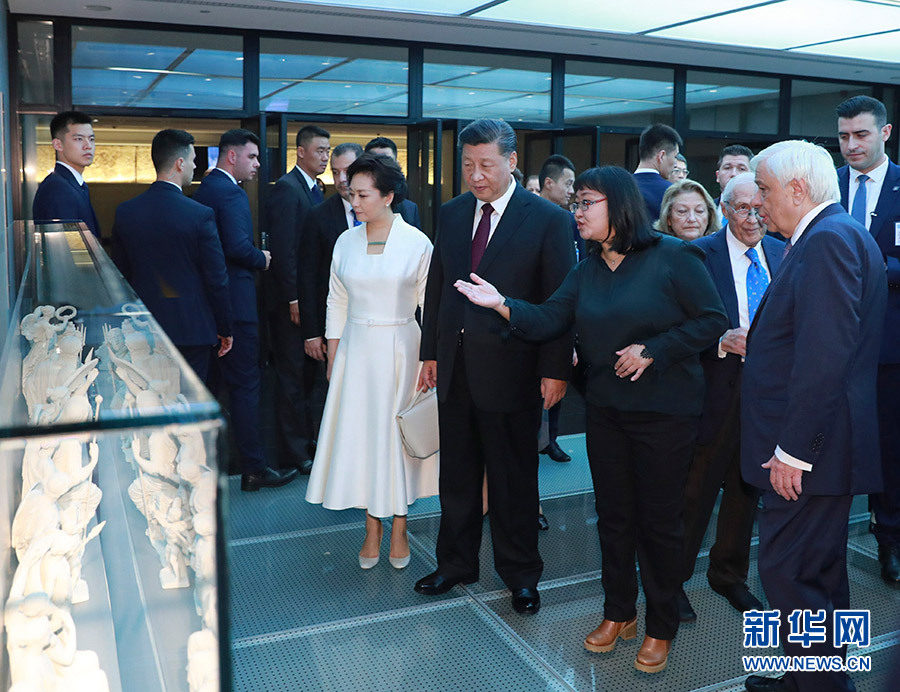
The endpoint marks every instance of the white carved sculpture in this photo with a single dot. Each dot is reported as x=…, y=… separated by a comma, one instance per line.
x=76, y=510
x=169, y=526
x=203, y=662
x=161, y=453
x=37, y=514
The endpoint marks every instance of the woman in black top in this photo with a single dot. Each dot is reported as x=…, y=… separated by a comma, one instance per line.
x=643, y=306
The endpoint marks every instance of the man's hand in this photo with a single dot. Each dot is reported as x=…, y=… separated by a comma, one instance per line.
x=631, y=362
x=295, y=313
x=785, y=479
x=225, y=344
x=316, y=348
x=735, y=341
x=553, y=391
x=427, y=376
x=268, y=256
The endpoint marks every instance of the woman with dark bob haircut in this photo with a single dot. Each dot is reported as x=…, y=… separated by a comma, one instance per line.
x=644, y=307
x=378, y=274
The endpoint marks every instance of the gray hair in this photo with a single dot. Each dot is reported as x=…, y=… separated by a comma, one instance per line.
x=800, y=160
x=488, y=131
x=746, y=178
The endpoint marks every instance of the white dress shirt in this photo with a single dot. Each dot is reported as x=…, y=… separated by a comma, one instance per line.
x=80, y=179
x=348, y=212
x=222, y=170
x=173, y=184
x=498, y=205
x=646, y=170
x=740, y=263
x=873, y=188
x=783, y=456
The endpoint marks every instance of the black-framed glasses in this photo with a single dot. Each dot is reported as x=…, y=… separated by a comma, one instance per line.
x=586, y=204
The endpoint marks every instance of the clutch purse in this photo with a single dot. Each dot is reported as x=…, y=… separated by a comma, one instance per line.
x=419, y=425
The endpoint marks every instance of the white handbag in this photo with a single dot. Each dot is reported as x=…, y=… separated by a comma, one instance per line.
x=419, y=425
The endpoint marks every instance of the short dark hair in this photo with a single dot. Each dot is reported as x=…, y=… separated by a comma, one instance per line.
x=625, y=207
x=734, y=150
x=61, y=121
x=169, y=145
x=488, y=131
x=382, y=143
x=307, y=132
x=863, y=104
x=346, y=147
x=680, y=157
x=386, y=173
x=553, y=168
x=656, y=137
x=237, y=137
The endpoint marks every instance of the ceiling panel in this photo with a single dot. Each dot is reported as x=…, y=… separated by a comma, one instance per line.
x=621, y=88
x=515, y=80
x=421, y=6
x=791, y=23
x=881, y=47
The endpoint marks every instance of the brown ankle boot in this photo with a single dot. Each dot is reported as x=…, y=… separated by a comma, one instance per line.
x=653, y=654
x=604, y=637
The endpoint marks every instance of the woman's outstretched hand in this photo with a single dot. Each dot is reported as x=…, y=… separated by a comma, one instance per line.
x=480, y=292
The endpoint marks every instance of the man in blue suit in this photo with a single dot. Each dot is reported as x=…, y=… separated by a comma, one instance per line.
x=168, y=248
x=870, y=191
x=409, y=210
x=742, y=260
x=220, y=190
x=658, y=147
x=63, y=194
x=809, y=432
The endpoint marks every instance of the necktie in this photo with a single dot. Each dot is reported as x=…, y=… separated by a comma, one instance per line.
x=757, y=282
x=480, y=241
x=316, y=193
x=859, y=201
x=356, y=222
x=787, y=249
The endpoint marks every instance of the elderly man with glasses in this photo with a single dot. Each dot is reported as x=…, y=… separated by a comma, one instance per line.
x=742, y=260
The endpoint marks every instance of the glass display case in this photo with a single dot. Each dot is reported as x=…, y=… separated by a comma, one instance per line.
x=110, y=494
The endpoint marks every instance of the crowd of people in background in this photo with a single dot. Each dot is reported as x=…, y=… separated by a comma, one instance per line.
x=748, y=343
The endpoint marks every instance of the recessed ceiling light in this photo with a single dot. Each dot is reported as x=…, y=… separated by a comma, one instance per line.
x=151, y=53
x=188, y=94
x=240, y=58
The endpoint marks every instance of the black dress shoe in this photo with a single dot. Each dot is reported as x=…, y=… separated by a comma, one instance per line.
x=526, y=601
x=436, y=583
x=267, y=478
x=543, y=524
x=758, y=683
x=889, y=557
x=304, y=467
x=311, y=449
x=739, y=597
x=685, y=611
x=555, y=452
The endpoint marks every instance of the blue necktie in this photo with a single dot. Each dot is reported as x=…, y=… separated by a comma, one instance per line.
x=859, y=201
x=757, y=282
x=316, y=193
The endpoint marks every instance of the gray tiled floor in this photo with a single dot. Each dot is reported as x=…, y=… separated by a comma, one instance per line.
x=305, y=617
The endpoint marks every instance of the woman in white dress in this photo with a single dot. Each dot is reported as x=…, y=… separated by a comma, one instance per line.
x=378, y=275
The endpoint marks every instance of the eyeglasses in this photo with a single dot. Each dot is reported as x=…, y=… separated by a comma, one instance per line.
x=743, y=212
x=586, y=204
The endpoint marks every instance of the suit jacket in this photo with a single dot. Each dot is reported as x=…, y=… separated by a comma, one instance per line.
x=884, y=229
x=290, y=202
x=527, y=257
x=168, y=248
x=723, y=374
x=235, y=224
x=409, y=212
x=326, y=222
x=59, y=196
x=812, y=358
x=652, y=186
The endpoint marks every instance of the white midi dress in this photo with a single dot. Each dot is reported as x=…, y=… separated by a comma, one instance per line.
x=360, y=460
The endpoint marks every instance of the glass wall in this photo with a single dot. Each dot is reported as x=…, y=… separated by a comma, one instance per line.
x=618, y=95
x=327, y=77
x=35, y=81
x=732, y=103
x=474, y=85
x=813, y=104
x=156, y=69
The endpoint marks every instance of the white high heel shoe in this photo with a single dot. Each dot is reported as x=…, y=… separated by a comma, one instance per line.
x=399, y=562
x=369, y=562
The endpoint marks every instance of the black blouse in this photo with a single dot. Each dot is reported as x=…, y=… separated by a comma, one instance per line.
x=662, y=297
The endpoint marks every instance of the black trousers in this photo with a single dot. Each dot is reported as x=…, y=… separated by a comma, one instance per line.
x=803, y=564
x=718, y=465
x=198, y=358
x=473, y=442
x=886, y=504
x=299, y=390
x=238, y=371
x=639, y=462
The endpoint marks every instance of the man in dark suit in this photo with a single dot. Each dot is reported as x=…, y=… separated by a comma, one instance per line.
x=167, y=247
x=809, y=431
x=63, y=194
x=326, y=222
x=733, y=160
x=658, y=147
x=490, y=384
x=742, y=260
x=298, y=397
x=870, y=191
x=409, y=210
x=220, y=190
